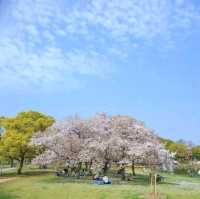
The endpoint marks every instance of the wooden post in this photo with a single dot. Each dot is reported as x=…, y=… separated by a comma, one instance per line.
x=151, y=180
x=155, y=186
x=1, y=169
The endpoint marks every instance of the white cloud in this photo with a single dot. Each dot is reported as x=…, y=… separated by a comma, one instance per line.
x=50, y=64
x=144, y=19
x=33, y=48
x=47, y=41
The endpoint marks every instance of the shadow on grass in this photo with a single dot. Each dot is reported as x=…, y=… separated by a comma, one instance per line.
x=142, y=180
x=168, y=183
x=56, y=179
x=28, y=173
x=6, y=196
x=138, y=180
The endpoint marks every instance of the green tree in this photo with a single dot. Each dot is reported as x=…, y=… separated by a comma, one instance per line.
x=183, y=152
x=15, y=141
x=196, y=152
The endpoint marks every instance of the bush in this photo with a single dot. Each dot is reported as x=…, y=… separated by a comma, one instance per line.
x=181, y=170
x=190, y=169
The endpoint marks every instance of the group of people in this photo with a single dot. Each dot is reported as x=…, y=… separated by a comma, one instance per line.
x=97, y=179
x=71, y=173
x=101, y=180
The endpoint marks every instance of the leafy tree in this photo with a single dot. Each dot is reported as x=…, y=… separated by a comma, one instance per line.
x=196, y=152
x=180, y=148
x=182, y=151
x=15, y=141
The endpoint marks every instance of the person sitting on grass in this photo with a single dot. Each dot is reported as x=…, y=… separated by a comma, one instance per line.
x=101, y=180
x=106, y=180
x=96, y=177
x=98, y=180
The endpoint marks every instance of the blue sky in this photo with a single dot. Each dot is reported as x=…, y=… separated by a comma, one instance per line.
x=139, y=58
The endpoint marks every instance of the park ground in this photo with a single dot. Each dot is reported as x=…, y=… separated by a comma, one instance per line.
x=43, y=184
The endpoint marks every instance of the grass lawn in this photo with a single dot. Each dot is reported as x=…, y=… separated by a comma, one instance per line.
x=42, y=185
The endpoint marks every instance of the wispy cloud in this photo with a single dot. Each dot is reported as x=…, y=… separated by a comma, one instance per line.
x=51, y=41
x=144, y=19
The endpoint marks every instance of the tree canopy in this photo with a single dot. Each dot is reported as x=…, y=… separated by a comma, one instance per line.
x=99, y=142
x=182, y=150
x=196, y=152
x=14, y=142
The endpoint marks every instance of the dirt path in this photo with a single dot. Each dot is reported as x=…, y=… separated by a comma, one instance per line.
x=2, y=180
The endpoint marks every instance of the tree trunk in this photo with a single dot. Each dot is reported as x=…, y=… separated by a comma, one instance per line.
x=11, y=163
x=79, y=166
x=86, y=166
x=78, y=171
x=90, y=168
x=123, y=173
x=106, y=167
x=21, y=164
x=133, y=168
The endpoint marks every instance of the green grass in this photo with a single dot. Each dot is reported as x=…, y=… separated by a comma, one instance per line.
x=42, y=185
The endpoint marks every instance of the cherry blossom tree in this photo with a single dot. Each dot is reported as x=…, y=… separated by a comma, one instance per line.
x=98, y=142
